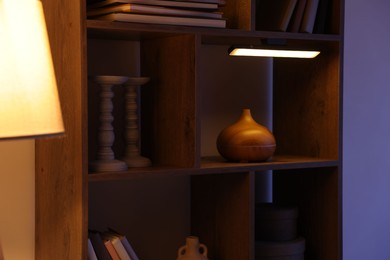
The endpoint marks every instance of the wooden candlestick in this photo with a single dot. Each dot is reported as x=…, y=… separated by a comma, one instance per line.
x=132, y=156
x=105, y=157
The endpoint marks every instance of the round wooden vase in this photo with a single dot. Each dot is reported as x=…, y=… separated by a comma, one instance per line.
x=192, y=250
x=246, y=140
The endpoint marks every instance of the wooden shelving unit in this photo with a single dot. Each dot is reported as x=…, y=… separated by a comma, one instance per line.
x=306, y=121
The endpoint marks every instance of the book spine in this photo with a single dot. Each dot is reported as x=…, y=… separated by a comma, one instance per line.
x=309, y=16
x=297, y=16
x=91, y=251
x=120, y=249
x=98, y=245
x=111, y=250
x=287, y=14
x=129, y=248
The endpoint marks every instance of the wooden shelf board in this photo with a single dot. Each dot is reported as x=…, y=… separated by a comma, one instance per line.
x=217, y=165
x=137, y=31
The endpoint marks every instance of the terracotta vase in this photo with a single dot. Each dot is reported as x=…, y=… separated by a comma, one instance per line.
x=246, y=140
x=192, y=250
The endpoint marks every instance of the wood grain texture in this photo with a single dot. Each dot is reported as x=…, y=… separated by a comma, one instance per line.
x=335, y=18
x=307, y=105
x=240, y=14
x=222, y=214
x=169, y=101
x=61, y=183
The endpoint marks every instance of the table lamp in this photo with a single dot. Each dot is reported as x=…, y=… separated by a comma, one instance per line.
x=29, y=103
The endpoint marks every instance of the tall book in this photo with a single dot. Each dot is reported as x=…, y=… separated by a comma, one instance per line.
x=159, y=19
x=125, y=242
x=128, y=248
x=111, y=250
x=98, y=245
x=274, y=15
x=309, y=16
x=150, y=9
x=322, y=17
x=297, y=15
x=91, y=251
x=169, y=3
x=117, y=245
x=120, y=249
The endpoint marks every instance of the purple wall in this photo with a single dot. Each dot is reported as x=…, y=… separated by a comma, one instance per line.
x=366, y=183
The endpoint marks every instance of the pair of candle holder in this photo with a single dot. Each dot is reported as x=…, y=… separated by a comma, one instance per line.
x=106, y=160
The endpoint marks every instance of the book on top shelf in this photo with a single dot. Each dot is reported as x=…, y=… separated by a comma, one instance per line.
x=167, y=3
x=159, y=19
x=321, y=18
x=309, y=16
x=274, y=15
x=149, y=9
x=297, y=15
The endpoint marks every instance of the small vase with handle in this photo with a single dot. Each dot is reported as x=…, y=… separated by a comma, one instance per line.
x=192, y=250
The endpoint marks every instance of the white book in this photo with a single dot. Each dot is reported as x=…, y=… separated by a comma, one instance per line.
x=182, y=4
x=158, y=19
x=150, y=9
x=119, y=248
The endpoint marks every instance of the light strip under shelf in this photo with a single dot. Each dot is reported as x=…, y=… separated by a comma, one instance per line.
x=277, y=53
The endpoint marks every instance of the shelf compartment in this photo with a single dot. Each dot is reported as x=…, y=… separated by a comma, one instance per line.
x=240, y=15
x=316, y=193
x=222, y=214
x=307, y=105
x=168, y=106
x=334, y=14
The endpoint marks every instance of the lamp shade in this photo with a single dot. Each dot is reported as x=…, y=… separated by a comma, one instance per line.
x=29, y=103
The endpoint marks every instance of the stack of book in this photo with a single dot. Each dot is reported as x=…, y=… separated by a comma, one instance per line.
x=203, y=13
x=109, y=245
x=306, y=16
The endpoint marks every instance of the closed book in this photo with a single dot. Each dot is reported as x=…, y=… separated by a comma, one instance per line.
x=274, y=15
x=296, y=18
x=322, y=15
x=98, y=245
x=150, y=9
x=126, y=244
x=91, y=251
x=309, y=16
x=159, y=19
x=111, y=250
x=180, y=4
x=116, y=242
